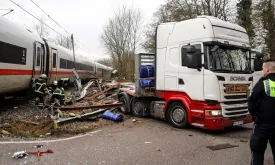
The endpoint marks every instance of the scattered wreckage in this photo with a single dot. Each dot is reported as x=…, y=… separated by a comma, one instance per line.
x=91, y=100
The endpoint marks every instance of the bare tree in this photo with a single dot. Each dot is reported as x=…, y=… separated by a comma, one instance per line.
x=42, y=29
x=65, y=42
x=179, y=10
x=244, y=18
x=264, y=23
x=106, y=61
x=121, y=38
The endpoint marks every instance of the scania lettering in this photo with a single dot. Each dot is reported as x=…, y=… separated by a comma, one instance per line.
x=200, y=75
x=237, y=78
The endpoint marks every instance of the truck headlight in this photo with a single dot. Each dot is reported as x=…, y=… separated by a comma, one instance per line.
x=213, y=112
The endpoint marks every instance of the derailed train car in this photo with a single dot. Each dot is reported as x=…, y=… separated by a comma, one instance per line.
x=24, y=56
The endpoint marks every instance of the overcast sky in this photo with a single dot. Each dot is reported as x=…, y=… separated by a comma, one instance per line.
x=84, y=18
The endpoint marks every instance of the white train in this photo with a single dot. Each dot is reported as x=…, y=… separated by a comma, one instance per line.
x=24, y=55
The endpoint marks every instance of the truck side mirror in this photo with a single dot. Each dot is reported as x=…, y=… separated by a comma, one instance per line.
x=193, y=57
x=190, y=49
x=258, y=63
x=259, y=55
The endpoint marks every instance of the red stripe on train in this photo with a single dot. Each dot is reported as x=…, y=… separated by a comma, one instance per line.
x=66, y=72
x=7, y=72
x=4, y=72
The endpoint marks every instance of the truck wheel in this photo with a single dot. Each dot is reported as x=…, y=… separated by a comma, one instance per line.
x=124, y=106
x=137, y=108
x=177, y=115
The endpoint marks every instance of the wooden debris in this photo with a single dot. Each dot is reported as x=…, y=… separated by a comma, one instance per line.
x=72, y=114
x=5, y=132
x=87, y=116
x=115, y=105
x=100, y=93
x=29, y=122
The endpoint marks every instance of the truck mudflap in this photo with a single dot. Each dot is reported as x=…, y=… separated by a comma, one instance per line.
x=219, y=123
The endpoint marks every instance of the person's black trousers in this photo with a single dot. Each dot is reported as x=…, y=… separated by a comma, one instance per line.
x=260, y=136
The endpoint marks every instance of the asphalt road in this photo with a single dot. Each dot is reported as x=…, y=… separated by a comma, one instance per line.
x=140, y=143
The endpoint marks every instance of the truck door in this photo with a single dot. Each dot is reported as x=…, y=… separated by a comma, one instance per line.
x=38, y=60
x=171, y=69
x=190, y=80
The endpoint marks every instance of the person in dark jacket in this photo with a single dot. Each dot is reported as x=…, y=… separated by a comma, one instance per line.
x=261, y=105
x=40, y=87
x=58, y=93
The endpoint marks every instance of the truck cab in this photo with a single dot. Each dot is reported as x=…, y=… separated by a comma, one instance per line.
x=203, y=74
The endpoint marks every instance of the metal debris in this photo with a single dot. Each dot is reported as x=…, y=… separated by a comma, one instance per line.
x=47, y=134
x=38, y=153
x=221, y=146
x=19, y=154
x=38, y=146
x=147, y=142
x=84, y=91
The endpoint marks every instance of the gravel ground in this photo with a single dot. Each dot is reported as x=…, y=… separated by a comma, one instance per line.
x=12, y=112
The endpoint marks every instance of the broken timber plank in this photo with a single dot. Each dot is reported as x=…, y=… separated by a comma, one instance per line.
x=29, y=122
x=100, y=93
x=86, y=116
x=116, y=105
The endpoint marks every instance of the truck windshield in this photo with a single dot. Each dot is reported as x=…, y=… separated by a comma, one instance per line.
x=228, y=60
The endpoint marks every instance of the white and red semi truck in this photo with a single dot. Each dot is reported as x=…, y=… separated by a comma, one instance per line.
x=201, y=75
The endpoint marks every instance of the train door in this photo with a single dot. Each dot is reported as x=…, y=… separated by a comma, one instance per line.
x=39, y=64
x=54, y=64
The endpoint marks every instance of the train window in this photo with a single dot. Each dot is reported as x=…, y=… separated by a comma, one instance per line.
x=54, y=60
x=80, y=66
x=38, y=57
x=70, y=64
x=12, y=54
x=62, y=63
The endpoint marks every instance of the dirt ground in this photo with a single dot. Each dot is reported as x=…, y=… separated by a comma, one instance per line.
x=15, y=115
x=21, y=118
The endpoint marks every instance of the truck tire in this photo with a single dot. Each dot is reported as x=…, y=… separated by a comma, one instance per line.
x=138, y=108
x=177, y=115
x=124, y=106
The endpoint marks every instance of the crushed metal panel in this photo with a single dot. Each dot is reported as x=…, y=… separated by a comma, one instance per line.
x=78, y=81
x=84, y=91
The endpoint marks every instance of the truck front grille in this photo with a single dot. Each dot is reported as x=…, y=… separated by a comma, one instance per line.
x=236, y=97
x=235, y=105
